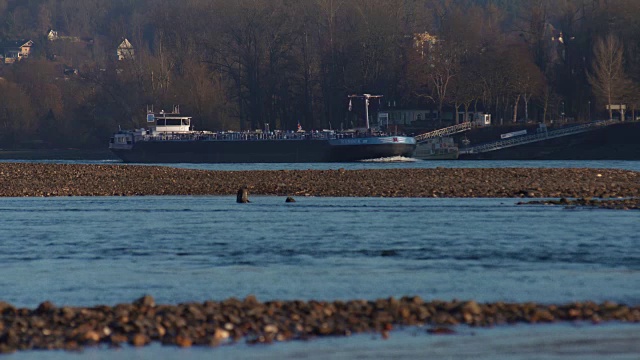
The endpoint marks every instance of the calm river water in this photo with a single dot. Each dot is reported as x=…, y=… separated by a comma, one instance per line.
x=107, y=250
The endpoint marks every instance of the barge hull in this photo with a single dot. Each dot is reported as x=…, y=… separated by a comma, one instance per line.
x=263, y=151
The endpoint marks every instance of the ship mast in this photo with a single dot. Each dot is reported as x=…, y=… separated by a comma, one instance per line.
x=366, y=98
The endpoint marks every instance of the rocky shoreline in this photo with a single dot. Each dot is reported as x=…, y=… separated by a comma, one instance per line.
x=33, y=179
x=218, y=323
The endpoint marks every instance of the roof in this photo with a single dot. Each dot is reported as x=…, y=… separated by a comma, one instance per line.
x=125, y=44
x=15, y=43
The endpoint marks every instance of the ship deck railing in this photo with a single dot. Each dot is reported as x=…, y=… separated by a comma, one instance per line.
x=254, y=136
x=539, y=136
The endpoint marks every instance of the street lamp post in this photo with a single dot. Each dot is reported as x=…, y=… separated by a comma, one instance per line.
x=589, y=110
x=562, y=114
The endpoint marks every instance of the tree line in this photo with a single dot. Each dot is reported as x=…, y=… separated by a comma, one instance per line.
x=242, y=64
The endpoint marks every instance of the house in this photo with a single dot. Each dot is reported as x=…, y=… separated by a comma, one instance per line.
x=14, y=50
x=52, y=35
x=125, y=51
x=68, y=71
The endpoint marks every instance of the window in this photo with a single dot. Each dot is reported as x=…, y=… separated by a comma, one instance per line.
x=168, y=122
x=173, y=122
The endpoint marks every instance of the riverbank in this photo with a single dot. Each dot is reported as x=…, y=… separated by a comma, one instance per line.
x=36, y=179
x=218, y=323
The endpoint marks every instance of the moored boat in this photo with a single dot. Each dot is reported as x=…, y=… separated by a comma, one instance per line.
x=441, y=148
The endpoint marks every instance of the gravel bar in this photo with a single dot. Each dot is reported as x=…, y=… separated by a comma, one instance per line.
x=226, y=322
x=29, y=179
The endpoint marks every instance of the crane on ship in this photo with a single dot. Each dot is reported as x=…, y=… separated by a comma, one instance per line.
x=366, y=98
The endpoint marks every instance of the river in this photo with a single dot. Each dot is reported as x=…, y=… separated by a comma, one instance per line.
x=85, y=251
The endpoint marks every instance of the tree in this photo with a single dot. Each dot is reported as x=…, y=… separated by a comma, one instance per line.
x=17, y=120
x=329, y=19
x=439, y=65
x=607, y=77
x=526, y=79
x=534, y=29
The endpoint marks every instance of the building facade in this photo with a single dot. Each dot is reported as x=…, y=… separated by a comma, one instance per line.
x=14, y=50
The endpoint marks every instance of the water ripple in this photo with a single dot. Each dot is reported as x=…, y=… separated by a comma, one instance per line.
x=76, y=250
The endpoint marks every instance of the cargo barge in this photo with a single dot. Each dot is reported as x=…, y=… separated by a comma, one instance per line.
x=170, y=138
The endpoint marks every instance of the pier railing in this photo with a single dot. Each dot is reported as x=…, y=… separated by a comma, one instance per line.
x=450, y=130
x=539, y=136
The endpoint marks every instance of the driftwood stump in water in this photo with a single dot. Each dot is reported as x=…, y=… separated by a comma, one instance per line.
x=243, y=195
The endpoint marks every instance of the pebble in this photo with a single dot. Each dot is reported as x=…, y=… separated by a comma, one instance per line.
x=233, y=320
x=38, y=179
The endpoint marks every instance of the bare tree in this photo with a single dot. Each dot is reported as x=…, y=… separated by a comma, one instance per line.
x=607, y=77
x=438, y=67
x=534, y=29
x=526, y=78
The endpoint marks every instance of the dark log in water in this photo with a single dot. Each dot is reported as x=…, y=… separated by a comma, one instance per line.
x=243, y=195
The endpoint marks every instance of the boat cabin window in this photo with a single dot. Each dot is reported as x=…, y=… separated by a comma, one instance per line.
x=174, y=122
